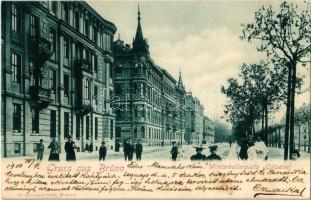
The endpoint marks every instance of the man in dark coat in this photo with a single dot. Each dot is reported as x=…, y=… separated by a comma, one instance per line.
x=132, y=149
x=213, y=155
x=102, y=152
x=198, y=155
x=54, y=154
x=174, y=151
x=70, y=150
x=127, y=149
x=40, y=150
x=139, y=150
x=91, y=148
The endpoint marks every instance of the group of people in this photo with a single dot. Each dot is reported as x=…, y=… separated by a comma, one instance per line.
x=253, y=150
x=54, y=153
x=69, y=149
x=129, y=148
x=258, y=150
x=200, y=156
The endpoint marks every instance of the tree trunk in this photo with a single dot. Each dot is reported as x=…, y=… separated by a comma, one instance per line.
x=292, y=113
x=286, y=133
x=299, y=137
x=266, y=125
x=279, y=140
x=309, y=136
x=262, y=121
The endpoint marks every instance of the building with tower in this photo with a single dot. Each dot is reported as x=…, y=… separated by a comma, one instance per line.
x=149, y=103
x=56, y=76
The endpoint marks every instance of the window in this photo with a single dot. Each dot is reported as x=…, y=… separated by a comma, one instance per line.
x=17, y=148
x=66, y=125
x=17, y=117
x=77, y=20
x=53, y=7
x=66, y=85
x=86, y=28
x=53, y=123
x=94, y=62
x=16, y=67
x=95, y=94
x=95, y=35
x=31, y=68
x=52, y=80
x=110, y=70
x=66, y=48
x=87, y=84
x=87, y=127
x=53, y=39
x=77, y=128
x=66, y=12
x=143, y=132
x=35, y=120
x=96, y=128
x=305, y=137
x=33, y=25
x=15, y=18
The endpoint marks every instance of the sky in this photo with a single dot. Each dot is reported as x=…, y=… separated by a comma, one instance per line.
x=198, y=38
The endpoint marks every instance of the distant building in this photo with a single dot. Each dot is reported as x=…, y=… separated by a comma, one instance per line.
x=56, y=75
x=194, y=120
x=208, y=130
x=301, y=137
x=149, y=102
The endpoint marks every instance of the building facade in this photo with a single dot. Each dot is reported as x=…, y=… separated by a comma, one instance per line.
x=194, y=120
x=208, y=131
x=56, y=76
x=149, y=103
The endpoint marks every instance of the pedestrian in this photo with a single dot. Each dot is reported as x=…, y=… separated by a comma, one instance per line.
x=86, y=148
x=126, y=149
x=102, y=152
x=132, y=149
x=54, y=153
x=174, y=151
x=198, y=155
x=91, y=148
x=295, y=155
x=70, y=150
x=213, y=155
x=251, y=151
x=261, y=149
x=243, y=150
x=40, y=150
x=230, y=143
x=138, y=150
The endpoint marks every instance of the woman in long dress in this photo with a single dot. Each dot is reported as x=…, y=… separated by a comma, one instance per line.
x=69, y=149
x=54, y=153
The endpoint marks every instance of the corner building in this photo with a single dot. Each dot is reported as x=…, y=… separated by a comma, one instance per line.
x=56, y=76
x=149, y=103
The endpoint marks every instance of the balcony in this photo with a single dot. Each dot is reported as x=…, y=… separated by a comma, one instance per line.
x=41, y=45
x=40, y=96
x=84, y=65
x=84, y=107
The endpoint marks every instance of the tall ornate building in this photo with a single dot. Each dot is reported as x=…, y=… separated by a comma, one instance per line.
x=149, y=102
x=194, y=120
x=56, y=75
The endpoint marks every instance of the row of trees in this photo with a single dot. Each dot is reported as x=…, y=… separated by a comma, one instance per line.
x=260, y=89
